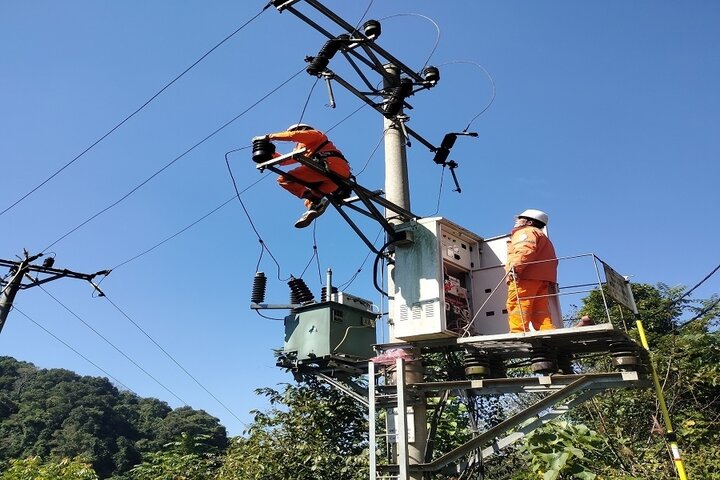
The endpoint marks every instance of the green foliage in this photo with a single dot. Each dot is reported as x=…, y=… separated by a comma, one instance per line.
x=686, y=360
x=33, y=468
x=562, y=448
x=188, y=458
x=56, y=414
x=311, y=432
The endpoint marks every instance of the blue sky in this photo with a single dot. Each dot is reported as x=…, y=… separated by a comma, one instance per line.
x=607, y=116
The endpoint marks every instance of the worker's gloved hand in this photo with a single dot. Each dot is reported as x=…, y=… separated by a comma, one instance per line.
x=261, y=137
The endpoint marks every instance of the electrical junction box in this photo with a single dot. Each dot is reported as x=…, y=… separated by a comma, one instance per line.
x=450, y=282
x=344, y=298
x=326, y=329
x=432, y=280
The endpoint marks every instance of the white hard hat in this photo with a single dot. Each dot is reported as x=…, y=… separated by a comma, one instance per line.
x=538, y=215
x=299, y=126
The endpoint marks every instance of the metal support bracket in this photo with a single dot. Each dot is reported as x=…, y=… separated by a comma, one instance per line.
x=368, y=198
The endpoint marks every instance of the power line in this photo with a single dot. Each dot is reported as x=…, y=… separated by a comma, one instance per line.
x=141, y=107
x=113, y=345
x=688, y=292
x=173, y=360
x=702, y=313
x=263, y=246
x=71, y=348
x=184, y=229
x=208, y=137
x=437, y=30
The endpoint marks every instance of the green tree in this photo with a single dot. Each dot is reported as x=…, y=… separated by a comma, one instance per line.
x=56, y=413
x=562, y=450
x=188, y=458
x=311, y=432
x=33, y=468
x=686, y=359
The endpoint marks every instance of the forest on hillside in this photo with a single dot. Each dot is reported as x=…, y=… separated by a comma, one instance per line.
x=57, y=425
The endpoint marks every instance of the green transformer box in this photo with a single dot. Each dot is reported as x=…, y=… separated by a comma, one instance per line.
x=330, y=329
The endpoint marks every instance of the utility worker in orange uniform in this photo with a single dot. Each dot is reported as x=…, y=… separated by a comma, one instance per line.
x=315, y=186
x=531, y=273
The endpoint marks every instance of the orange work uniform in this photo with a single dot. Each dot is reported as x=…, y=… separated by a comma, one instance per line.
x=531, y=256
x=315, y=143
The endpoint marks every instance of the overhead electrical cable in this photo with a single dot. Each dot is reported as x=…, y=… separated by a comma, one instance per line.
x=346, y=118
x=492, y=84
x=314, y=255
x=367, y=9
x=673, y=303
x=317, y=258
x=184, y=229
x=357, y=272
x=442, y=178
x=141, y=107
x=113, y=345
x=688, y=292
x=437, y=29
x=167, y=354
x=118, y=382
x=302, y=114
x=372, y=154
x=263, y=245
x=208, y=137
x=702, y=313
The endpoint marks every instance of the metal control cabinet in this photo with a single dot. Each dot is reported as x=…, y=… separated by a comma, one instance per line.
x=433, y=280
x=330, y=329
x=448, y=277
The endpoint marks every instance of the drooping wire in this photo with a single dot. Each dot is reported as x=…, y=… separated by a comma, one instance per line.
x=674, y=303
x=347, y=117
x=688, y=292
x=315, y=252
x=357, y=272
x=437, y=29
x=268, y=318
x=141, y=107
x=442, y=178
x=302, y=114
x=357, y=25
x=702, y=313
x=372, y=154
x=184, y=229
x=492, y=84
x=380, y=257
x=173, y=359
x=263, y=245
x=113, y=345
x=73, y=349
x=208, y=137
x=317, y=256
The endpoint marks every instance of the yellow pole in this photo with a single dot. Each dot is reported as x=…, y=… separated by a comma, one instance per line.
x=669, y=433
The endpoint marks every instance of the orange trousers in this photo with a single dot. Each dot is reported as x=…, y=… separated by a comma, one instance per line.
x=320, y=184
x=524, y=310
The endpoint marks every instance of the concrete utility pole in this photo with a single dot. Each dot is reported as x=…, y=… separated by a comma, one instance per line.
x=21, y=270
x=397, y=190
x=11, y=288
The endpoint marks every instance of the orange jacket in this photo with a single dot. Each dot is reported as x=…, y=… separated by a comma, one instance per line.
x=308, y=139
x=529, y=244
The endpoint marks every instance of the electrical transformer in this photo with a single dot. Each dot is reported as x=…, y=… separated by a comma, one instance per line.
x=342, y=328
x=449, y=281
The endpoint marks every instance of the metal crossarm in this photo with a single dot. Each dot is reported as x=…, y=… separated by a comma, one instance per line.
x=367, y=197
x=377, y=49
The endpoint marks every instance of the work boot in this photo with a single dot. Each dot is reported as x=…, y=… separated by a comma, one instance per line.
x=313, y=212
